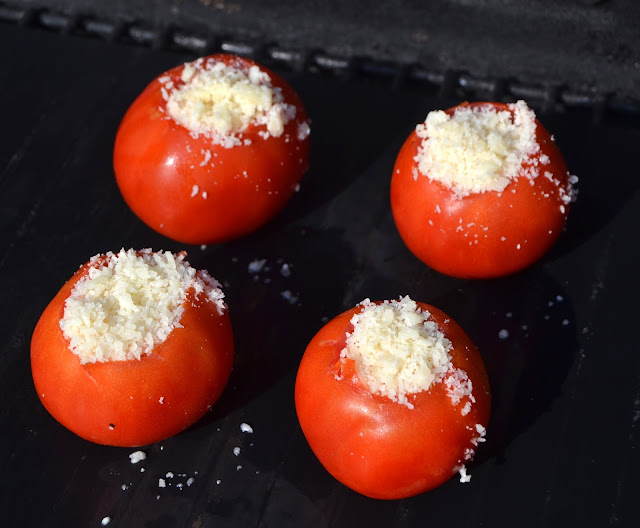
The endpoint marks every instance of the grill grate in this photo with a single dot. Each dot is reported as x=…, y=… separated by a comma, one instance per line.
x=547, y=98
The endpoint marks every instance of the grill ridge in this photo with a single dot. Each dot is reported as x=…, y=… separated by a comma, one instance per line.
x=447, y=84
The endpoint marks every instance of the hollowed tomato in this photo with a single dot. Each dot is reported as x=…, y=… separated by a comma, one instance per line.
x=189, y=187
x=379, y=447
x=483, y=234
x=136, y=401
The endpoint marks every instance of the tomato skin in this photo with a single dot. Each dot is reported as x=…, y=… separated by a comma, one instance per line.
x=448, y=233
x=377, y=447
x=158, y=162
x=135, y=402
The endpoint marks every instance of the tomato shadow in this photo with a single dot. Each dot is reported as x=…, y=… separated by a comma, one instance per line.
x=602, y=156
x=354, y=124
x=281, y=286
x=524, y=327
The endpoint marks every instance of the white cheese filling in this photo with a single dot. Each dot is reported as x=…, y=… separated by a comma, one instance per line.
x=130, y=302
x=479, y=149
x=220, y=101
x=400, y=351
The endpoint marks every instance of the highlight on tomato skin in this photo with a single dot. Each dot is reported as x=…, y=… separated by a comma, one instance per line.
x=393, y=398
x=212, y=150
x=480, y=190
x=135, y=347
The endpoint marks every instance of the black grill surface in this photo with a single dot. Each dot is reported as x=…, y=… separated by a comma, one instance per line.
x=563, y=444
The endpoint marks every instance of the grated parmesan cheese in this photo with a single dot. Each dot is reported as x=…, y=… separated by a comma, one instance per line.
x=478, y=149
x=221, y=100
x=130, y=301
x=464, y=476
x=137, y=456
x=399, y=350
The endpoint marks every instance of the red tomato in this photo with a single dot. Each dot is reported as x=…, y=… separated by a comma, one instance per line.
x=192, y=190
x=480, y=235
x=378, y=447
x=133, y=402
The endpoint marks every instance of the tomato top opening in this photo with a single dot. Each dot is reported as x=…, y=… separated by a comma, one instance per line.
x=127, y=303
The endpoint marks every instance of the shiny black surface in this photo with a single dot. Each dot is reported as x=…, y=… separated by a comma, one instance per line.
x=563, y=442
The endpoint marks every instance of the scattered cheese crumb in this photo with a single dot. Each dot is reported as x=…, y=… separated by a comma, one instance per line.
x=459, y=386
x=236, y=451
x=503, y=334
x=105, y=521
x=482, y=432
x=194, y=191
x=137, y=456
x=285, y=270
x=464, y=478
x=303, y=131
x=288, y=295
x=190, y=481
x=246, y=428
x=478, y=149
x=255, y=266
x=162, y=483
x=130, y=301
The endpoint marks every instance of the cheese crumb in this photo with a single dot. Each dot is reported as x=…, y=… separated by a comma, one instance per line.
x=478, y=149
x=137, y=456
x=255, y=266
x=464, y=477
x=398, y=350
x=246, y=428
x=222, y=100
x=129, y=302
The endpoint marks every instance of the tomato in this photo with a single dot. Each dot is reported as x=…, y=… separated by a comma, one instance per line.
x=483, y=234
x=136, y=401
x=189, y=187
x=379, y=447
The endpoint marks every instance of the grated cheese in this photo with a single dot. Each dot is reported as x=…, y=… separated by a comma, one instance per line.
x=399, y=351
x=137, y=456
x=129, y=302
x=479, y=149
x=221, y=100
x=464, y=476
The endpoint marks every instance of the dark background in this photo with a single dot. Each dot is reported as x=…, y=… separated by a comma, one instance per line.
x=563, y=442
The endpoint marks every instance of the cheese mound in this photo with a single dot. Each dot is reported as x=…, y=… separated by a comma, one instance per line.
x=131, y=301
x=398, y=350
x=478, y=149
x=220, y=101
